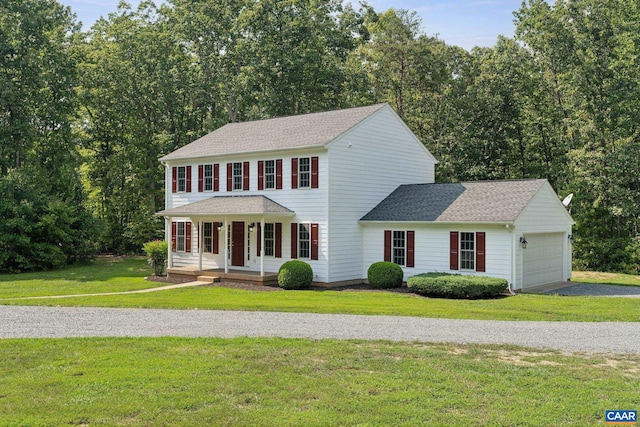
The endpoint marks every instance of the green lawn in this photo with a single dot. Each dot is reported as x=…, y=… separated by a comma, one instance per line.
x=127, y=274
x=276, y=382
x=103, y=275
x=605, y=278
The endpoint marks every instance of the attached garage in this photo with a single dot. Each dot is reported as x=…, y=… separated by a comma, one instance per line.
x=474, y=228
x=542, y=260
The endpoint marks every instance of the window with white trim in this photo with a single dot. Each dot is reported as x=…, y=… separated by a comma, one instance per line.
x=208, y=178
x=304, y=172
x=398, y=248
x=182, y=179
x=269, y=239
x=181, y=236
x=467, y=251
x=237, y=176
x=304, y=240
x=269, y=174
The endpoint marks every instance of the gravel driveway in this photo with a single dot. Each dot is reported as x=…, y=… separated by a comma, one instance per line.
x=55, y=322
x=592, y=289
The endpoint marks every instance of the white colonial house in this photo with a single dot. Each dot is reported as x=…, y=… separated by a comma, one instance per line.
x=343, y=189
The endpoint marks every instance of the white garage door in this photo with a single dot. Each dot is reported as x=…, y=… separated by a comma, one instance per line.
x=542, y=259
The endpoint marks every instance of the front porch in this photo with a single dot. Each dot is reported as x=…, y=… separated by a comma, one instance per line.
x=218, y=274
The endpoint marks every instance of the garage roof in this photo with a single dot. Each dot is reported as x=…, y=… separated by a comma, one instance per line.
x=479, y=201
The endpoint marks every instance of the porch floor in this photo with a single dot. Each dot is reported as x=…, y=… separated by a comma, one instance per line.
x=218, y=274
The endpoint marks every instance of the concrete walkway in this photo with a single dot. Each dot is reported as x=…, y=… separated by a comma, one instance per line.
x=568, y=337
x=139, y=291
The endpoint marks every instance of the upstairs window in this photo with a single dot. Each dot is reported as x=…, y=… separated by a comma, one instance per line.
x=181, y=179
x=304, y=172
x=208, y=178
x=237, y=176
x=270, y=174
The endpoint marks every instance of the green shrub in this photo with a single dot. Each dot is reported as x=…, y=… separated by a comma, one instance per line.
x=385, y=275
x=445, y=285
x=156, y=250
x=295, y=275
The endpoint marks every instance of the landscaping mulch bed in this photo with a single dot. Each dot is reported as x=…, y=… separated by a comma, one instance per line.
x=363, y=287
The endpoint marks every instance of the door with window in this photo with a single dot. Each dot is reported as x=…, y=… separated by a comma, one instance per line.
x=237, y=244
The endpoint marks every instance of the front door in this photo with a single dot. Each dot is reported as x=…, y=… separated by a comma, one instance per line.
x=237, y=244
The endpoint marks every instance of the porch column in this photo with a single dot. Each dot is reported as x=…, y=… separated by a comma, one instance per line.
x=200, y=239
x=262, y=247
x=170, y=239
x=226, y=247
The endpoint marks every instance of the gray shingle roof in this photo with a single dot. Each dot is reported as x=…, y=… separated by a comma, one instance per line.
x=480, y=201
x=229, y=205
x=307, y=130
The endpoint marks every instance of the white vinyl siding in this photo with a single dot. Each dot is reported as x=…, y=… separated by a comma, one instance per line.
x=365, y=165
x=544, y=214
x=431, y=248
x=358, y=169
x=309, y=207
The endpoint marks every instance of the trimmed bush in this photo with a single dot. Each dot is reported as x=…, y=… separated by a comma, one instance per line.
x=156, y=250
x=385, y=275
x=295, y=275
x=444, y=285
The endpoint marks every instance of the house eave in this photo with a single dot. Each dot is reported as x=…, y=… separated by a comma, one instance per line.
x=395, y=221
x=178, y=214
x=164, y=159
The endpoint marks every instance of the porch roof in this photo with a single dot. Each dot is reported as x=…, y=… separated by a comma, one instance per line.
x=229, y=205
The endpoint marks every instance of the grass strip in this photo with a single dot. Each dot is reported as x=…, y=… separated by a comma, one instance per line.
x=275, y=382
x=519, y=307
x=108, y=275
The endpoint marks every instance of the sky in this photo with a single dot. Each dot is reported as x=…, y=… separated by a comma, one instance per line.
x=465, y=23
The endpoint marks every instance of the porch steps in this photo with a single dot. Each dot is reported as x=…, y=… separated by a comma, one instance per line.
x=209, y=279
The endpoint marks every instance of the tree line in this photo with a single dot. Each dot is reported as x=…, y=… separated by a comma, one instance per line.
x=84, y=116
